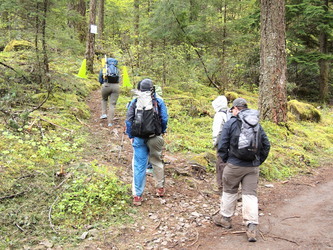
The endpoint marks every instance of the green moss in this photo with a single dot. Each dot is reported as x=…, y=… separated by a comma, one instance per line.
x=16, y=45
x=231, y=96
x=303, y=111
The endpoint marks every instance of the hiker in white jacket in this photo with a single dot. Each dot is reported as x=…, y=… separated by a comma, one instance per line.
x=220, y=105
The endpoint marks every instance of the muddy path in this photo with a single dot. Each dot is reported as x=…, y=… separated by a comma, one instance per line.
x=294, y=214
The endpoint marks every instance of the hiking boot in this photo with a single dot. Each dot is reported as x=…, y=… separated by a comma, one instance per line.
x=251, y=232
x=137, y=200
x=160, y=192
x=103, y=116
x=149, y=171
x=222, y=221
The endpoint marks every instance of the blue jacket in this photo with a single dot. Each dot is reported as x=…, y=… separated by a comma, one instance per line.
x=100, y=77
x=229, y=139
x=162, y=110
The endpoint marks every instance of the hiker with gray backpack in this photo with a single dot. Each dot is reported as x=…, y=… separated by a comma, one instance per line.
x=244, y=146
x=109, y=78
x=146, y=123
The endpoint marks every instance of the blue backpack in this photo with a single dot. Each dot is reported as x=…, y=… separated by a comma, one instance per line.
x=112, y=72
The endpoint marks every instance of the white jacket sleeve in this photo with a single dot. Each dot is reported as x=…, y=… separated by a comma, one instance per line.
x=218, y=122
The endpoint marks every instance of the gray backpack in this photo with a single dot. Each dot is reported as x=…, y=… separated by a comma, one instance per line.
x=249, y=135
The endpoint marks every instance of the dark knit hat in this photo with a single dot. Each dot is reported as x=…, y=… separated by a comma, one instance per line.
x=145, y=85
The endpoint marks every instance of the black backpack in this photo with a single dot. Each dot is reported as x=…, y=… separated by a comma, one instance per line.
x=147, y=122
x=112, y=72
x=248, y=135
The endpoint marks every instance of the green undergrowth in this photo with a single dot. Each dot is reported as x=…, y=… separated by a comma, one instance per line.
x=94, y=195
x=36, y=200
x=296, y=147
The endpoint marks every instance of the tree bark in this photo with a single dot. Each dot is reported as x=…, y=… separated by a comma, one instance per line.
x=37, y=27
x=137, y=32
x=101, y=19
x=324, y=63
x=90, y=43
x=44, y=49
x=224, y=76
x=273, y=65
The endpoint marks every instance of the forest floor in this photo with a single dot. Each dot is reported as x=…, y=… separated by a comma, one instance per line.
x=294, y=214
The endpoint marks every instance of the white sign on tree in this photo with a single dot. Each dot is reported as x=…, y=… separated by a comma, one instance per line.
x=93, y=29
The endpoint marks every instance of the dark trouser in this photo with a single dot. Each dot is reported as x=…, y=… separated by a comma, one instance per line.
x=220, y=165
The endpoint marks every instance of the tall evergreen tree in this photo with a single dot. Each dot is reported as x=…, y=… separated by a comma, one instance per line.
x=309, y=33
x=273, y=65
x=90, y=43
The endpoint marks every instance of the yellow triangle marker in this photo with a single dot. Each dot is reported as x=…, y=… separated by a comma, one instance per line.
x=126, y=79
x=83, y=70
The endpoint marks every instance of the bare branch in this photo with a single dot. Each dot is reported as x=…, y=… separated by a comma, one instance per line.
x=196, y=51
x=11, y=196
x=9, y=67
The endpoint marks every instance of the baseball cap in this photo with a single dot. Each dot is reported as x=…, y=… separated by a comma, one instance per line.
x=239, y=102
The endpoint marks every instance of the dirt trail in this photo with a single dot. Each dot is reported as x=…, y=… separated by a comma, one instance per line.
x=296, y=214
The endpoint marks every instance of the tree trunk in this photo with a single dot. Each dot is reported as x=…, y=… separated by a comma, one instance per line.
x=137, y=32
x=273, y=65
x=37, y=50
x=90, y=43
x=44, y=49
x=164, y=74
x=42, y=62
x=224, y=76
x=101, y=19
x=324, y=63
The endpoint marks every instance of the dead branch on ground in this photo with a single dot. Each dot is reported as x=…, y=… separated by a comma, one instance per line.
x=196, y=238
x=281, y=238
x=56, y=125
x=67, y=176
x=11, y=68
x=83, y=123
x=233, y=232
x=18, y=226
x=159, y=224
x=291, y=217
x=12, y=196
x=50, y=212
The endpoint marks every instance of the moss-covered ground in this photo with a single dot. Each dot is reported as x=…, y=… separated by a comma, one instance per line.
x=36, y=146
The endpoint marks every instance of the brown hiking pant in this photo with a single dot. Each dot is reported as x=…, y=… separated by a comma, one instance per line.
x=233, y=176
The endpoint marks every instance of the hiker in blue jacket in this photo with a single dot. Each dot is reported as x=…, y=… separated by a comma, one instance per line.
x=240, y=169
x=147, y=149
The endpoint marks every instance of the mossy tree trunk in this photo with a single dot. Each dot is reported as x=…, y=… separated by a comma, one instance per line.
x=40, y=38
x=90, y=43
x=101, y=19
x=136, y=26
x=222, y=51
x=273, y=65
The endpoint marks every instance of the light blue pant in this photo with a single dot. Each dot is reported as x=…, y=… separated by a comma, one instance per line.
x=144, y=150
